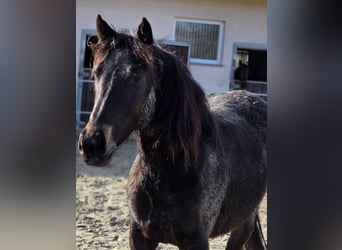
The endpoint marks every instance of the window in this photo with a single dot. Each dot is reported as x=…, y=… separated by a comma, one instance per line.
x=205, y=37
x=256, y=60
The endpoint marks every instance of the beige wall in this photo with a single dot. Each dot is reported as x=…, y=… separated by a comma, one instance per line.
x=245, y=21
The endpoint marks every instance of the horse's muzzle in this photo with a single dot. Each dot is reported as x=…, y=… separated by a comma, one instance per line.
x=92, y=147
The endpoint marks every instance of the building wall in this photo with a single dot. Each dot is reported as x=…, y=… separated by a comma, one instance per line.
x=245, y=21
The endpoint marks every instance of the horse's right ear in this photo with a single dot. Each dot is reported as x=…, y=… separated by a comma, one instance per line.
x=145, y=32
x=104, y=31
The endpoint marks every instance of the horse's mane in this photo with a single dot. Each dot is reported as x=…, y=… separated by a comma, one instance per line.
x=182, y=111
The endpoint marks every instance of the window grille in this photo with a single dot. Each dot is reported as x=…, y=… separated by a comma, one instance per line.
x=205, y=37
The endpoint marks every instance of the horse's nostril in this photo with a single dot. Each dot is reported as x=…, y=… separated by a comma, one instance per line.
x=89, y=146
x=93, y=146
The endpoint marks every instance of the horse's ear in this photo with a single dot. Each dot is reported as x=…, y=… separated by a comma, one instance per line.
x=104, y=31
x=145, y=32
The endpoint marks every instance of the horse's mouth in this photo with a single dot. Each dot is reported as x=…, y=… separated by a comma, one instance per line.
x=99, y=161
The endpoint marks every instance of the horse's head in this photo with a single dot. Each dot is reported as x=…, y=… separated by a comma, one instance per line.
x=124, y=94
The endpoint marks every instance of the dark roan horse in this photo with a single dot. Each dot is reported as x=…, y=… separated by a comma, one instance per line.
x=200, y=169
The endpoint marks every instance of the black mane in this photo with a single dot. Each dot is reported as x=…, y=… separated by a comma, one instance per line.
x=182, y=112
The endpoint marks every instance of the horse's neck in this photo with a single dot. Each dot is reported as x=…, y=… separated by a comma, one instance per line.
x=154, y=150
x=160, y=168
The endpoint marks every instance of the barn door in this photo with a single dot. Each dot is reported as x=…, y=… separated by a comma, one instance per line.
x=85, y=93
x=181, y=49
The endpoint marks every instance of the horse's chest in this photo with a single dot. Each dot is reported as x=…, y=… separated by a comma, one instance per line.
x=153, y=213
x=161, y=202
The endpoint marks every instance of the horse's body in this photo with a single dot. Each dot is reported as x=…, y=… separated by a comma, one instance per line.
x=226, y=185
x=200, y=170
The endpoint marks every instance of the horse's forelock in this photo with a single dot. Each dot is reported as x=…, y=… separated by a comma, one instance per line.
x=101, y=51
x=140, y=50
x=143, y=51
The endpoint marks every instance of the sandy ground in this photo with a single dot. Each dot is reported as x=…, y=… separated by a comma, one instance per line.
x=101, y=208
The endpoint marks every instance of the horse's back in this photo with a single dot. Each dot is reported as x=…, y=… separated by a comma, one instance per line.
x=244, y=104
x=241, y=119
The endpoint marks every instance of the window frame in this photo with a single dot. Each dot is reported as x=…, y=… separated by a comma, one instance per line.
x=247, y=46
x=221, y=24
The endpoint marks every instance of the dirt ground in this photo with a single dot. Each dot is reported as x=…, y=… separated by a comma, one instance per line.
x=101, y=208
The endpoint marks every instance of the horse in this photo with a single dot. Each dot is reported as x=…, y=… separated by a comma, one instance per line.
x=241, y=74
x=200, y=168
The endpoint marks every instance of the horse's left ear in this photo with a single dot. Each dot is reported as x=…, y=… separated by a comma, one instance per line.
x=145, y=32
